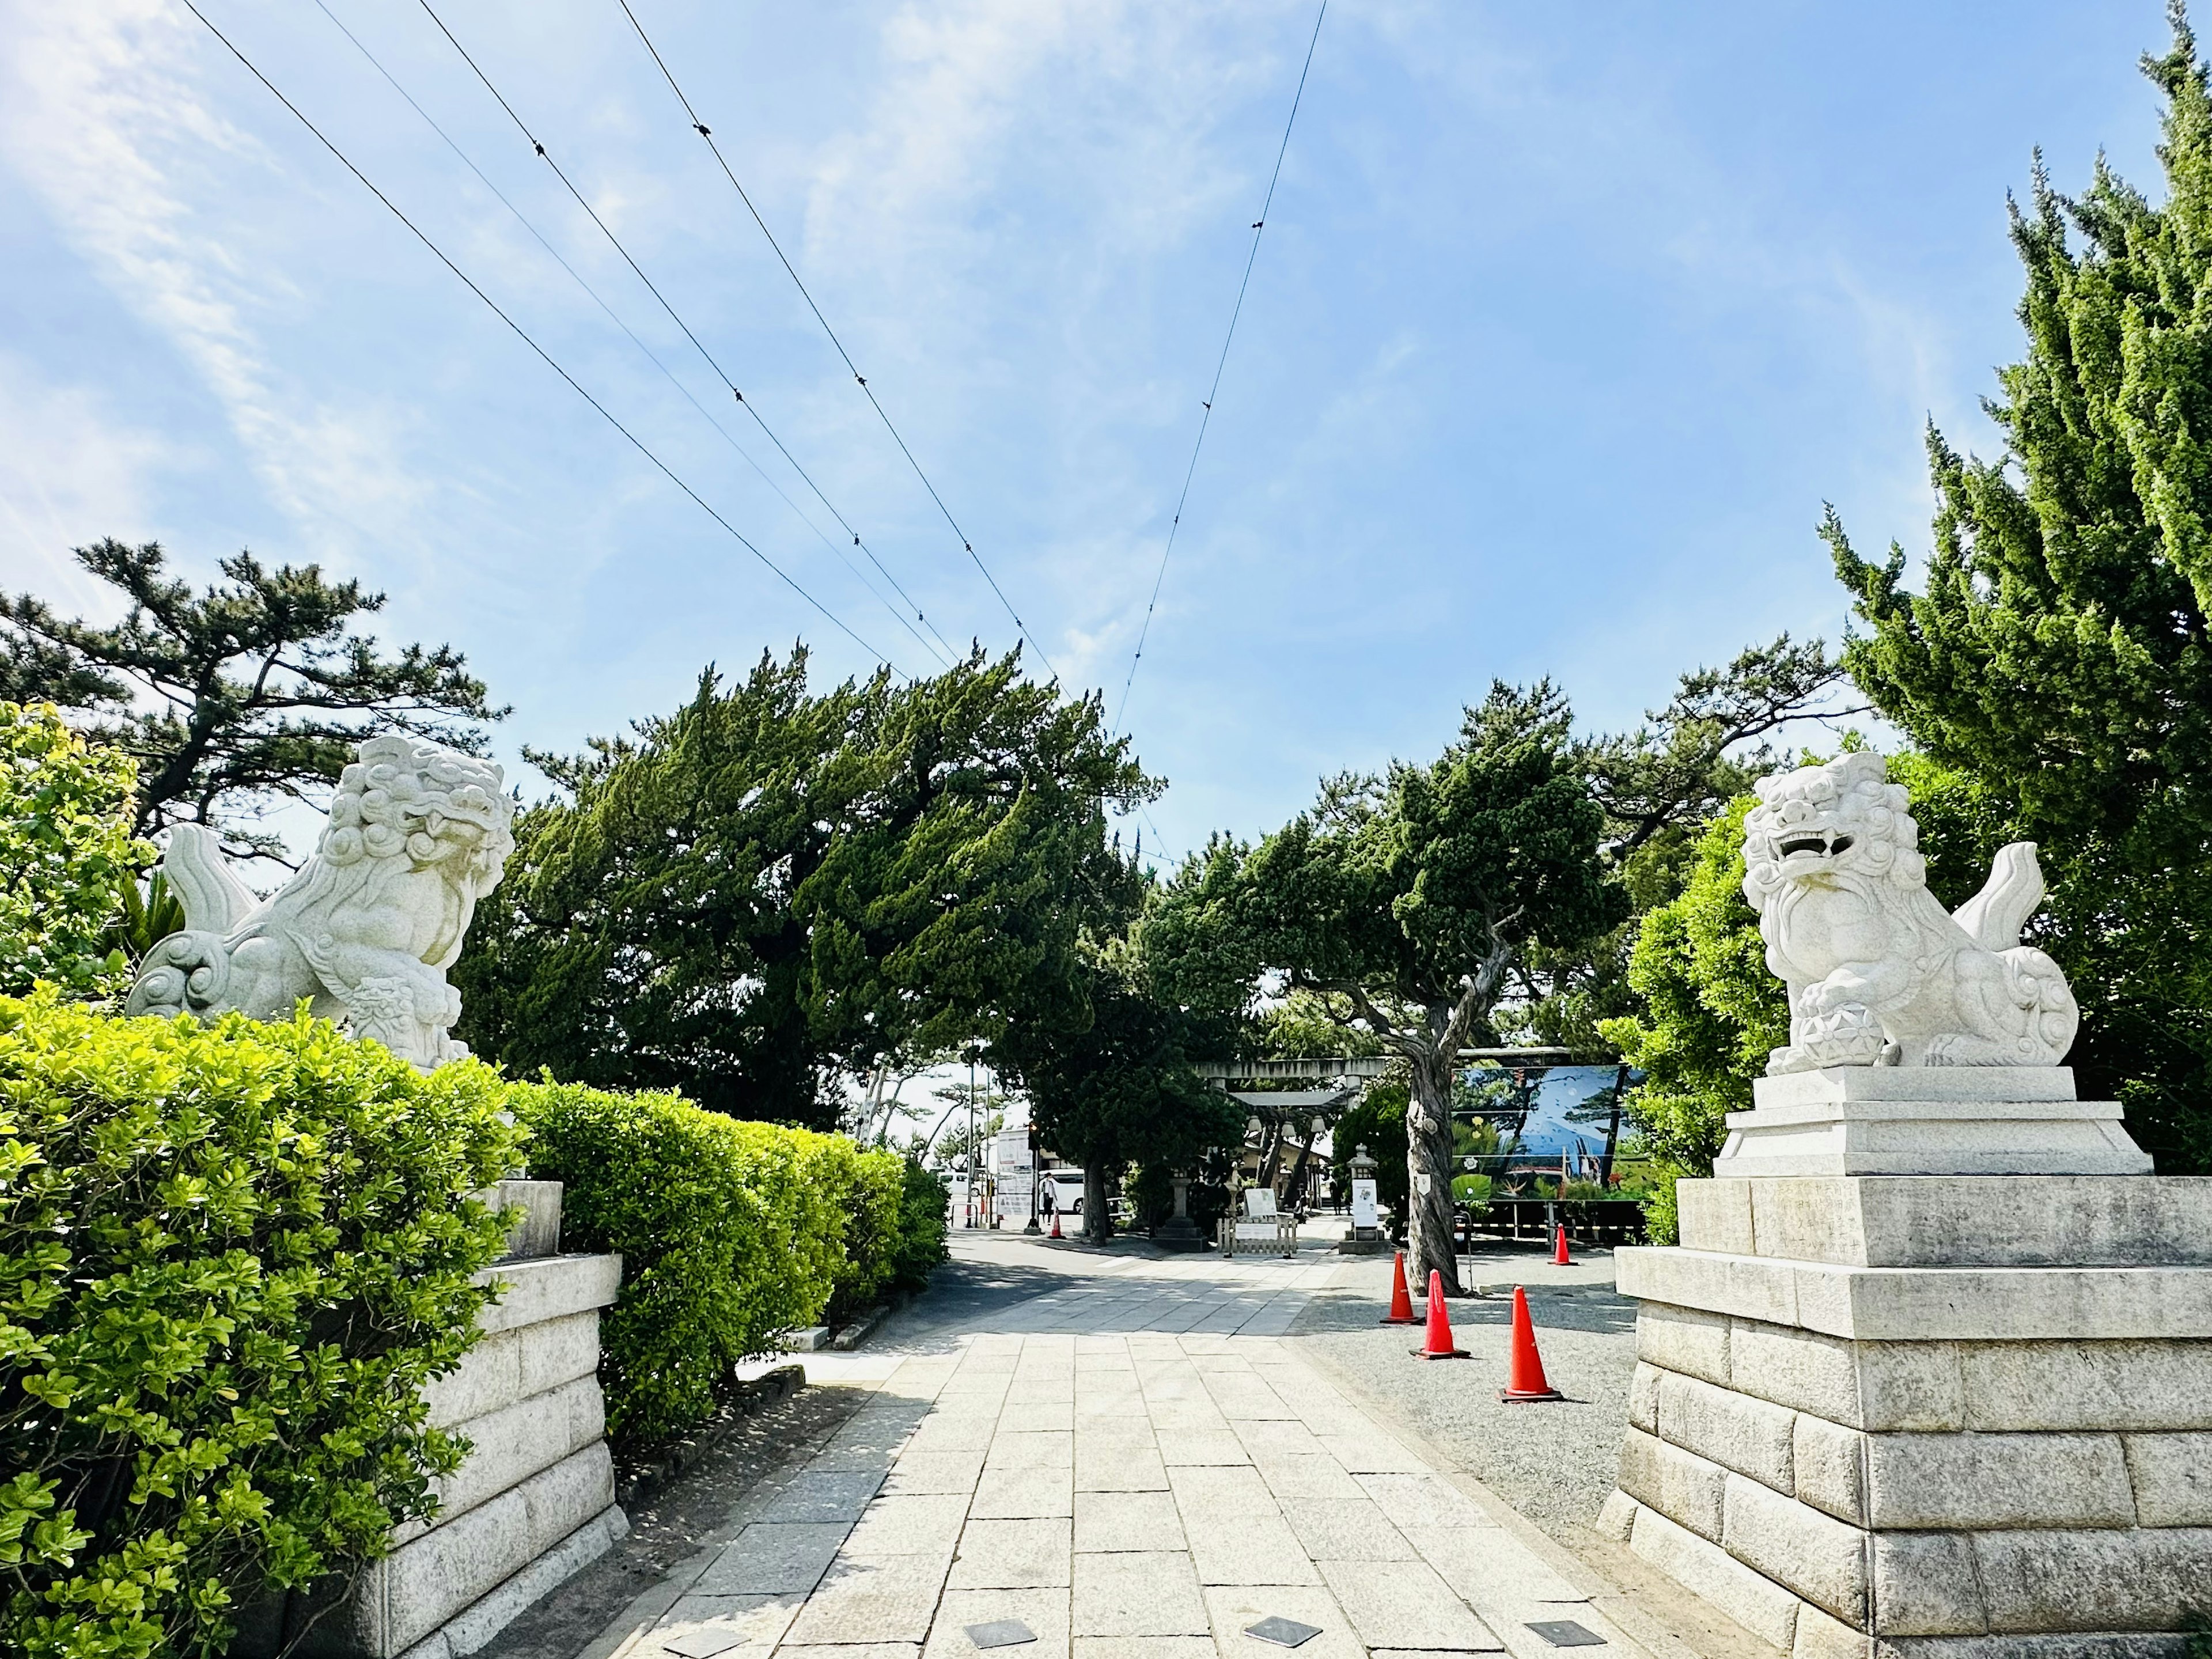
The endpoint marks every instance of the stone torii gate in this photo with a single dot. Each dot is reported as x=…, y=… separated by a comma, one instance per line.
x=1345, y=1077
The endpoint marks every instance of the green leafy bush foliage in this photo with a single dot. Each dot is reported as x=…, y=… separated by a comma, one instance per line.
x=1712, y=1014
x=872, y=1184
x=921, y=1226
x=731, y=1232
x=67, y=856
x=230, y=1257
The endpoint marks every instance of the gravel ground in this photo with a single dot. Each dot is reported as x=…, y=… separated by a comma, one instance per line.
x=1554, y=1461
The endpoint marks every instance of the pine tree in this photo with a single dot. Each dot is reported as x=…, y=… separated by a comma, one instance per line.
x=2057, y=654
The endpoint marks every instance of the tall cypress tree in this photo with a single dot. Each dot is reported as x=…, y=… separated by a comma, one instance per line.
x=2058, y=652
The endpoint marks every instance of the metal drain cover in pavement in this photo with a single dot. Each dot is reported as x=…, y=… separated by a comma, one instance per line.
x=1000, y=1633
x=1566, y=1633
x=704, y=1643
x=1283, y=1632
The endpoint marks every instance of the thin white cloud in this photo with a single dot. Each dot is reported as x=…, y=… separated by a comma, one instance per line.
x=70, y=472
x=101, y=115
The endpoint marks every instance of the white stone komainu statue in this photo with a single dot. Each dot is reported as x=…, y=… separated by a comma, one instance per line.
x=1878, y=973
x=417, y=834
x=1929, y=1374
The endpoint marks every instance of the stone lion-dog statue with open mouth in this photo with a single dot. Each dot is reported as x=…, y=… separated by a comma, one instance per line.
x=417, y=834
x=1879, y=974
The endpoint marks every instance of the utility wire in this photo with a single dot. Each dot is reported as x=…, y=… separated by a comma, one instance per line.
x=546, y=156
x=1259, y=228
x=967, y=546
x=614, y=317
x=523, y=335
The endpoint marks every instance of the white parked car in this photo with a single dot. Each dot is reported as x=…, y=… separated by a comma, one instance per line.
x=1066, y=1186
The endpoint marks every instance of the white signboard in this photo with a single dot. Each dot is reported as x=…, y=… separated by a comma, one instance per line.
x=1363, y=1204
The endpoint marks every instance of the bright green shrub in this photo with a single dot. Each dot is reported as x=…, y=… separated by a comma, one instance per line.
x=921, y=1226
x=730, y=1233
x=66, y=856
x=230, y=1257
x=870, y=1185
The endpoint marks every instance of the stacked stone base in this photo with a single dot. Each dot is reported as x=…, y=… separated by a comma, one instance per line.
x=1874, y=1416
x=533, y=1502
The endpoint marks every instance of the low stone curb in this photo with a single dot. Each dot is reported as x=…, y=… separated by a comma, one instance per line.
x=851, y=1336
x=644, y=1481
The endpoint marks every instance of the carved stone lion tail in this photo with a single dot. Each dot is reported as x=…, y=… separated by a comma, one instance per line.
x=186, y=973
x=1993, y=916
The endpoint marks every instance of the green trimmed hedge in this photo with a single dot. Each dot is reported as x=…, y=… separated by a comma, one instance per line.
x=921, y=1227
x=731, y=1232
x=230, y=1257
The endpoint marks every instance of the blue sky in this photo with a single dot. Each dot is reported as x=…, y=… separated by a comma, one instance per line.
x=1565, y=323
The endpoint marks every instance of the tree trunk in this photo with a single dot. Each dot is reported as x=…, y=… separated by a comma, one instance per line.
x=1097, y=1219
x=1428, y=1172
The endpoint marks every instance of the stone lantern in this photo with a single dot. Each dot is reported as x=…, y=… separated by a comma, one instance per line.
x=1366, y=1235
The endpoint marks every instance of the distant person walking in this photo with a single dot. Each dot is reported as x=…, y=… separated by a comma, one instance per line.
x=1051, y=1203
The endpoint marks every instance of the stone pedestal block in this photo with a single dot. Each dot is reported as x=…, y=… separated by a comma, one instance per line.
x=532, y=1503
x=1927, y=1120
x=536, y=1206
x=1919, y=1415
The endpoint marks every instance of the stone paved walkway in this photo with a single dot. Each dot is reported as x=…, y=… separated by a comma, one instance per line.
x=1133, y=1466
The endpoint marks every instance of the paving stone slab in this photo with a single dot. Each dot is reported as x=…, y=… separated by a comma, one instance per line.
x=1145, y=1647
x=876, y=1598
x=1318, y=1476
x=1192, y=1446
x=1241, y=1395
x=1119, y=1467
x=1030, y=1554
x=1372, y=1452
x=1284, y=1436
x=1346, y=1530
x=938, y=1472
x=1022, y=1415
x=1127, y=1521
x=1423, y=1503
x=941, y=1433
x=1152, y=1593
x=921, y=1523
x=1403, y=1604
x=770, y=1559
x=1023, y=1494
x=1494, y=1570
x=1236, y=1531
x=1044, y=1448
x=822, y=1496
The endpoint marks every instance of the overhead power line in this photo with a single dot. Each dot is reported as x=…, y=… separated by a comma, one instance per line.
x=614, y=317
x=543, y=355
x=545, y=156
x=706, y=133
x=1259, y=229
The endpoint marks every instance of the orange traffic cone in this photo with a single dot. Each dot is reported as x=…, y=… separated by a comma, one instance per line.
x=1401, y=1305
x=1560, y=1256
x=1055, y=1223
x=1524, y=1376
x=1439, y=1343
